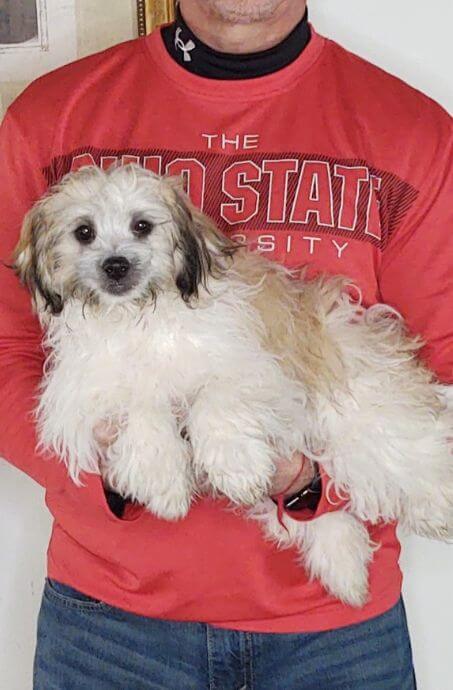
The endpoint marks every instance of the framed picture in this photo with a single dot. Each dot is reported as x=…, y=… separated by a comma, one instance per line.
x=23, y=25
x=152, y=13
x=35, y=37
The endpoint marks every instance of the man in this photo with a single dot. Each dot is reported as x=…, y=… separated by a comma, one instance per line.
x=313, y=156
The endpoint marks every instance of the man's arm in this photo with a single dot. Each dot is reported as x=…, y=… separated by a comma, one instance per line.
x=21, y=356
x=416, y=275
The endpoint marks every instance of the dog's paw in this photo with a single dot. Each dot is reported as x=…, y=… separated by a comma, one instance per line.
x=171, y=500
x=337, y=550
x=152, y=467
x=346, y=575
x=166, y=494
x=351, y=588
x=240, y=469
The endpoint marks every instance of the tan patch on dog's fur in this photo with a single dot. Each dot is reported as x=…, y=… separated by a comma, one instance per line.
x=293, y=315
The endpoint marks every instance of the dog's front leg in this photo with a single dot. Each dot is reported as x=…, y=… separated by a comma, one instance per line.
x=150, y=463
x=335, y=549
x=232, y=453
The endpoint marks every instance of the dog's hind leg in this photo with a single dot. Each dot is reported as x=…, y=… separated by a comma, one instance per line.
x=334, y=548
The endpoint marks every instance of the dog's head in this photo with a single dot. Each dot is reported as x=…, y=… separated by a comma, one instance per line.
x=121, y=235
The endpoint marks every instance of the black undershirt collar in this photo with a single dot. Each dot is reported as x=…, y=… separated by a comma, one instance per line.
x=198, y=58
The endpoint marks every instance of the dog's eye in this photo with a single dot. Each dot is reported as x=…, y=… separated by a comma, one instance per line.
x=85, y=234
x=142, y=228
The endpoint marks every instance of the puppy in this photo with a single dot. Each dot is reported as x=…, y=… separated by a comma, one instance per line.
x=215, y=364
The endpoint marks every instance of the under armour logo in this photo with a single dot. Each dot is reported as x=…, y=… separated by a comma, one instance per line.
x=185, y=47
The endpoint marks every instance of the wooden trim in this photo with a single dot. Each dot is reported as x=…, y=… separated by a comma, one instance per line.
x=152, y=13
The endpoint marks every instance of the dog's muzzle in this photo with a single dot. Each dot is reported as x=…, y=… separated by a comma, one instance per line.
x=118, y=276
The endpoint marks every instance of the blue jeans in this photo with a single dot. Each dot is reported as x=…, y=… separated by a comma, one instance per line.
x=84, y=644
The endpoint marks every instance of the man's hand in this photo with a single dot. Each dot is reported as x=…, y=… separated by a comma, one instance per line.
x=106, y=433
x=286, y=480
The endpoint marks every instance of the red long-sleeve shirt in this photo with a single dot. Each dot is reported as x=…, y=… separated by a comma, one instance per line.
x=330, y=162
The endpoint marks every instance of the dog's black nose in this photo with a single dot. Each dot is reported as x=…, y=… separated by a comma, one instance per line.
x=116, y=267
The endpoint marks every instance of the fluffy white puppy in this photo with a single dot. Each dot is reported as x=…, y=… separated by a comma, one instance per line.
x=216, y=364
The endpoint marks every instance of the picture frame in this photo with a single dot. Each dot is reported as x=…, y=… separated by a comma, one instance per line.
x=36, y=38
x=47, y=40
x=153, y=13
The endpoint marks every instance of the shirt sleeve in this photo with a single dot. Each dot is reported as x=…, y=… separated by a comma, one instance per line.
x=416, y=274
x=21, y=355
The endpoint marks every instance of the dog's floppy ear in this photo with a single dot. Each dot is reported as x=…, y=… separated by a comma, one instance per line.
x=200, y=249
x=32, y=261
x=192, y=258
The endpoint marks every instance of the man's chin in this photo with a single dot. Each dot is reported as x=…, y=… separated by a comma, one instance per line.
x=244, y=12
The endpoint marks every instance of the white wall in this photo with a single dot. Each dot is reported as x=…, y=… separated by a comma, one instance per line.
x=411, y=38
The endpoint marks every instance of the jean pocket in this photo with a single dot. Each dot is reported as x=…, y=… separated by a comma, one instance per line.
x=65, y=595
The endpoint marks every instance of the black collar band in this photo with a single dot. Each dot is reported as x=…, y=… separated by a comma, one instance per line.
x=198, y=58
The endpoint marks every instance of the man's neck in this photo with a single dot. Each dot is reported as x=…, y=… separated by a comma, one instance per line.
x=228, y=37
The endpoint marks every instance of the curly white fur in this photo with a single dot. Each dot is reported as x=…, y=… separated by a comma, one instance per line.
x=213, y=384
